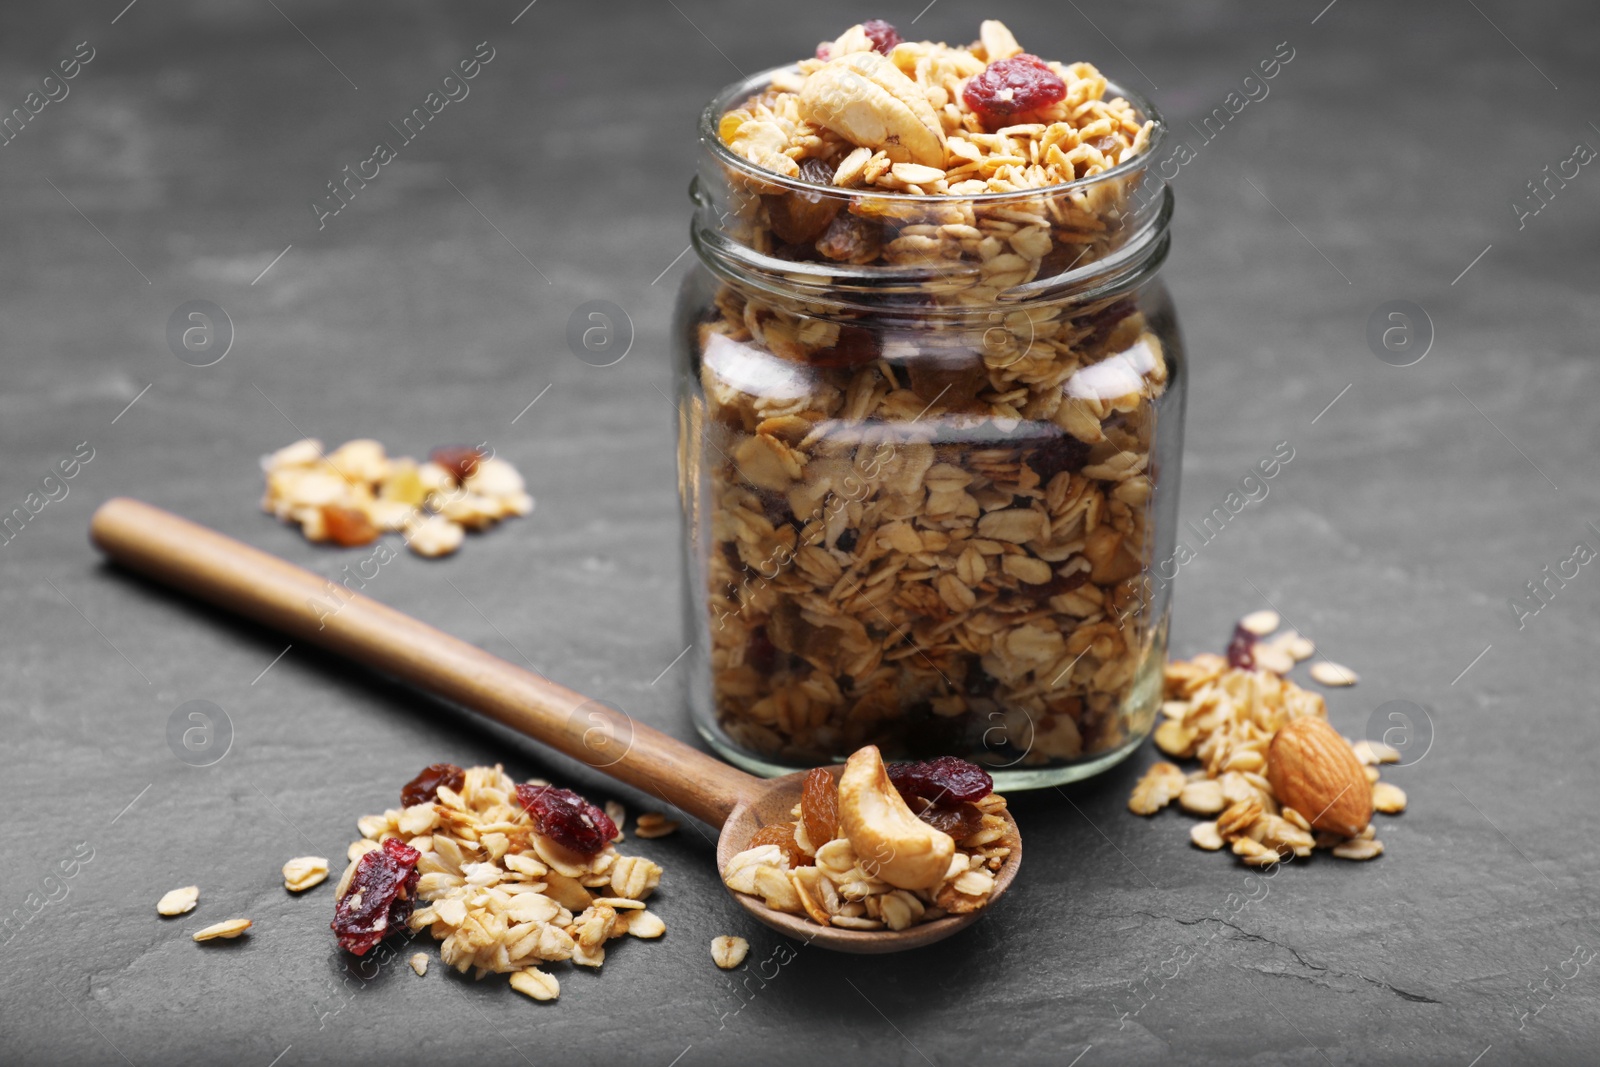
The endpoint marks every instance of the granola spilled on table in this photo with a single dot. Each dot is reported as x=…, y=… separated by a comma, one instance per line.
x=507, y=877
x=355, y=493
x=929, y=514
x=1264, y=746
x=857, y=857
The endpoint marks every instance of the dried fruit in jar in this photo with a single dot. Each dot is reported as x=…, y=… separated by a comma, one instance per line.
x=947, y=781
x=1062, y=452
x=850, y=238
x=856, y=346
x=459, y=460
x=1007, y=87
x=425, y=786
x=801, y=218
x=567, y=819
x=819, y=807
x=379, y=898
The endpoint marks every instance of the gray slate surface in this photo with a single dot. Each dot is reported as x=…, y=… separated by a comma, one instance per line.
x=434, y=309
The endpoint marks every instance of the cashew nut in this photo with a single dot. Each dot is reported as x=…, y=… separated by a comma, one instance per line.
x=866, y=99
x=890, y=842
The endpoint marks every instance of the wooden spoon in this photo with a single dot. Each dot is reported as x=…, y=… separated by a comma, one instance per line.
x=260, y=586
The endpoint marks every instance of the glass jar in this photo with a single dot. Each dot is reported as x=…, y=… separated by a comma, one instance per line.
x=929, y=450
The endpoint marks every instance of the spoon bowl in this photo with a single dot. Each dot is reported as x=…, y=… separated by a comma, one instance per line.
x=771, y=802
x=233, y=576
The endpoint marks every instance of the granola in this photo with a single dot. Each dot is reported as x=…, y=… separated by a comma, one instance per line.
x=227, y=930
x=354, y=494
x=873, y=871
x=178, y=901
x=929, y=517
x=503, y=898
x=1225, y=715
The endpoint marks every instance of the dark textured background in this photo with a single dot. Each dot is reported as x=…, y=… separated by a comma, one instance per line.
x=1385, y=159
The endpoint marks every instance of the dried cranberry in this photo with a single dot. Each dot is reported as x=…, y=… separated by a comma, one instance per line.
x=946, y=781
x=1060, y=453
x=1009, y=86
x=567, y=819
x=459, y=460
x=1242, y=649
x=882, y=35
x=380, y=897
x=425, y=786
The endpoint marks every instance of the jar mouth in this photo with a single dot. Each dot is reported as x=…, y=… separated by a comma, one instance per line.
x=1140, y=225
x=742, y=90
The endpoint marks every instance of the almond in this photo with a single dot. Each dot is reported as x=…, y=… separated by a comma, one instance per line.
x=1315, y=771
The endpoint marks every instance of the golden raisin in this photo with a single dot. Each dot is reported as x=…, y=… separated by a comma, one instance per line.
x=347, y=526
x=819, y=807
x=782, y=835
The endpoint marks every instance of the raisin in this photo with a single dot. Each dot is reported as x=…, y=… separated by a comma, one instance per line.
x=775, y=506
x=882, y=35
x=979, y=682
x=459, y=460
x=819, y=807
x=782, y=835
x=856, y=346
x=816, y=171
x=348, y=527
x=959, y=822
x=1059, y=584
x=926, y=735
x=760, y=652
x=951, y=377
x=1103, y=321
x=846, y=541
x=380, y=896
x=851, y=239
x=1007, y=87
x=425, y=786
x=1056, y=454
x=1242, y=649
x=801, y=218
x=567, y=819
x=947, y=781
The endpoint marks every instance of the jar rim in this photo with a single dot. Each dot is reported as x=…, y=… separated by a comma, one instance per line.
x=752, y=84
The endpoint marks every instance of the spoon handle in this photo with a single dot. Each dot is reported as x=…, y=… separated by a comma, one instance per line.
x=234, y=576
